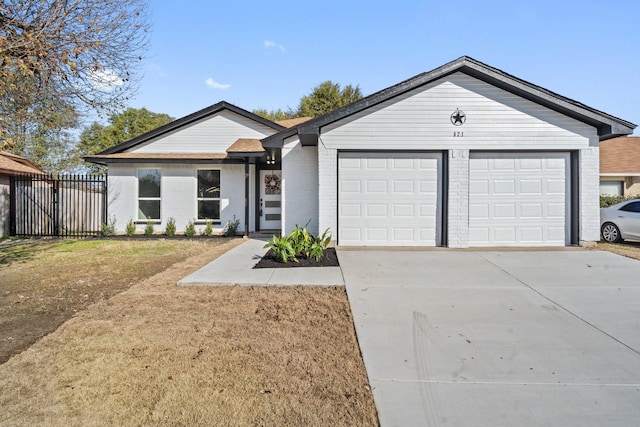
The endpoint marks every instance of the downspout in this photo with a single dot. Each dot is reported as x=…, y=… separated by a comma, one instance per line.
x=246, y=197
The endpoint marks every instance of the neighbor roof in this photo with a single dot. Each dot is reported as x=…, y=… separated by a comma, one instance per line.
x=288, y=123
x=620, y=156
x=184, y=121
x=11, y=163
x=608, y=126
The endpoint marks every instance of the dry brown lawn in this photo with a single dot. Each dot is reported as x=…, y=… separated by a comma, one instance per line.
x=628, y=249
x=158, y=354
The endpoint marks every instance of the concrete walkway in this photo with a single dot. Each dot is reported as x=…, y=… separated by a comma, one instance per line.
x=470, y=338
x=236, y=268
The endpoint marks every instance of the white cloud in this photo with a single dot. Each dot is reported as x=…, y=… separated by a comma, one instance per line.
x=273, y=45
x=215, y=85
x=105, y=80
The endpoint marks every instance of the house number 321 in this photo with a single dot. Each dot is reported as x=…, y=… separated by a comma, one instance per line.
x=458, y=134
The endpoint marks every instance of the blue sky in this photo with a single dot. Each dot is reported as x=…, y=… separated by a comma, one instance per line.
x=269, y=54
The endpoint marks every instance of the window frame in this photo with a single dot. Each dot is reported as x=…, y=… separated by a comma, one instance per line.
x=139, y=198
x=209, y=199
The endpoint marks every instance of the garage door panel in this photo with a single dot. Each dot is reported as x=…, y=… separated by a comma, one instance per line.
x=376, y=186
x=556, y=186
x=350, y=210
x=399, y=202
x=374, y=210
x=375, y=164
x=531, y=186
x=403, y=186
x=518, y=199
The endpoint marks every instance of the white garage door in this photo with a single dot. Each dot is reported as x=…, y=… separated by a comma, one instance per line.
x=389, y=199
x=519, y=199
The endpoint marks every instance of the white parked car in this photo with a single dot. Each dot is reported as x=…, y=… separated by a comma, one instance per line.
x=621, y=221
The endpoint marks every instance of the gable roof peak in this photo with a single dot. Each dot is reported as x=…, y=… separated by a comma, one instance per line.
x=608, y=126
x=189, y=119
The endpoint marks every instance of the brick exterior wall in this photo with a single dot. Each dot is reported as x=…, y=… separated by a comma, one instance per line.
x=589, y=195
x=328, y=188
x=458, y=213
x=299, y=187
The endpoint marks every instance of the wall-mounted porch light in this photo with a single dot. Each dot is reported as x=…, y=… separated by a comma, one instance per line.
x=271, y=158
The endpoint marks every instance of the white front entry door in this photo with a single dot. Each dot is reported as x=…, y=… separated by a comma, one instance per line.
x=389, y=199
x=270, y=200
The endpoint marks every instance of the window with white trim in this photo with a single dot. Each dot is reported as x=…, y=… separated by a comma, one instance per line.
x=149, y=194
x=209, y=194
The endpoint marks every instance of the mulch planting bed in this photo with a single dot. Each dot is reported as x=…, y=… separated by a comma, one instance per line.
x=330, y=260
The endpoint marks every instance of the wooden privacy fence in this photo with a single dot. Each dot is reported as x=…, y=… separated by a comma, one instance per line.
x=66, y=205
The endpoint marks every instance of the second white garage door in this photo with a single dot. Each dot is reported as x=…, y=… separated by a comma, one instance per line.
x=519, y=199
x=389, y=199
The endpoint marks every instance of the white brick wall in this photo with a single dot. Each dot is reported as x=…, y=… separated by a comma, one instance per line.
x=589, y=194
x=328, y=188
x=458, y=214
x=299, y=186
x=178, y=195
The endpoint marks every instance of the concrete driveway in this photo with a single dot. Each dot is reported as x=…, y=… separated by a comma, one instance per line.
x=498, y=338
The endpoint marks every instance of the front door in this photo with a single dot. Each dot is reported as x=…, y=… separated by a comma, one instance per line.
x=270, y=199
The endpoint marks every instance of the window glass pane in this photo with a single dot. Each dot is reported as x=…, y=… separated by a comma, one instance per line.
x=148, y=209
x=149, y=183
x=631, y=207
x=208, y=209
x=209, y=183
x=611, y=188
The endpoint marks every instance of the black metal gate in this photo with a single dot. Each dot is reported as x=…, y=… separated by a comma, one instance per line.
x=67, y=205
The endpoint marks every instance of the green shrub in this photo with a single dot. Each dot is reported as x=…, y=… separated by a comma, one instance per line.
x=231, y=229
x=148, y=229
x=319, y=245
x=190, y=231
x=299, y=244
x=109, y=229
x=282, y=248
x=170, y=229
x=208, y=228
x=130, y=229
x=301, y=241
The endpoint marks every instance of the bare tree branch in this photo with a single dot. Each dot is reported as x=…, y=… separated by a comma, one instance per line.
x=86, y=54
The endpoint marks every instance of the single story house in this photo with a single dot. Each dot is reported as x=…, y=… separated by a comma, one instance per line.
x=620, y=166
x=11, y=164
x=464, y=155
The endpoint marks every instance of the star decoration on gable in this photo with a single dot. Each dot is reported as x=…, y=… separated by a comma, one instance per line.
x=458, y=117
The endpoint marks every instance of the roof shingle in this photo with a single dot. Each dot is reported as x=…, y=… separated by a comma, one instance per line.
x=620, y=155
x=11, y=163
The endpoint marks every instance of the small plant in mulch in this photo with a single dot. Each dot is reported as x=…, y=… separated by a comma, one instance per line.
x=170, y=229
x=231, y=229
x=190, y=231
x=130, y=228
x=148, y=229
x=109, y=229
x=208, y=228
x=301, y=247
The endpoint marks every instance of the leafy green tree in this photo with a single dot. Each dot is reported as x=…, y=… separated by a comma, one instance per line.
x=326, y=97
x=122, y=127
x=275, y=115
